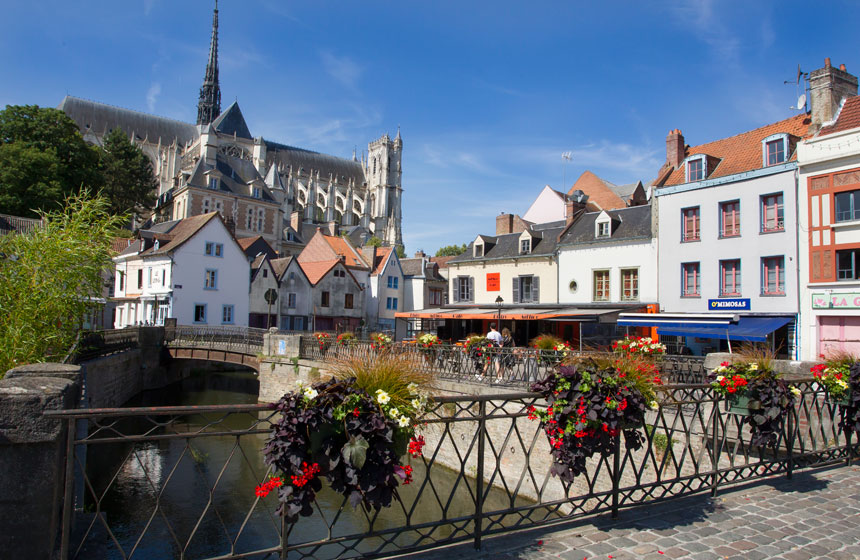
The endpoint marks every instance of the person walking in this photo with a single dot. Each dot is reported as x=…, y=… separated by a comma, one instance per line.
x=494, y=335
x=506, y=354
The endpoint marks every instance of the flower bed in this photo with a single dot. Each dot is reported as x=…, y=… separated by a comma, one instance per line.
x=480, y=350
x=552, y=350
x=379, y=341
x=345, y=338
x=591, y=402
x=638, y=345
x=839, y=376
x=429, y=345
x=323, y=340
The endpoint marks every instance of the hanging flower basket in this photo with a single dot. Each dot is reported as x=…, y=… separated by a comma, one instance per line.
x=839, y=377
x=323, y=340
x=429, y=345
x=739, y=404
x=551, y=350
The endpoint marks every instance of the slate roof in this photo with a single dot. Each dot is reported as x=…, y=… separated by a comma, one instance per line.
x=101, y=118
x=280, y=266
x=253, y=246
x=420, y=267
x=625, y=191
x=848, y=117
x=508, y=245
x=742, y=152
x=231, y=121
x=178, y=232
x=305, y=161
x=236, y=176
x=628, y=224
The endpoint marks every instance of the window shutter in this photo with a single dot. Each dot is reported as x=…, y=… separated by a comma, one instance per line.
x=456, y=289
x=471, y=288
x=516, y=289
x=535, y=289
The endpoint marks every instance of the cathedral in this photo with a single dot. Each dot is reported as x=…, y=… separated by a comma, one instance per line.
x=260, y=187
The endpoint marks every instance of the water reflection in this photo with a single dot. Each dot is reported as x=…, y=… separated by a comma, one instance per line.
x=196, y=495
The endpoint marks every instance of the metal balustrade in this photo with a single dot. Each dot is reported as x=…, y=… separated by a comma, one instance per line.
x=485, y=470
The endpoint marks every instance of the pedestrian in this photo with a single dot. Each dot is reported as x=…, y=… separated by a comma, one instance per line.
x=494, y=336
x=506, y=354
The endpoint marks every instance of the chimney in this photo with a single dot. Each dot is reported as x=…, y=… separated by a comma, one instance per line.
x=504, y=224
x=420, y=254
x=675, y=148
x=574, y=203
x=828, y=88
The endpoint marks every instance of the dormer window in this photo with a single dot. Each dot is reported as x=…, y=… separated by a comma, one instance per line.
x=256, y=192
x=775, y=149
x=479, y=250
x=696, y=168
x=525, y=246
x=603, y=229
x=213, y=183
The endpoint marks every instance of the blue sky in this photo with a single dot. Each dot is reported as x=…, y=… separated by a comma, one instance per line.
x=488, y=95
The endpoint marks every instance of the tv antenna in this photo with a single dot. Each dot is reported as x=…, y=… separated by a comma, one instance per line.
x=801, y=97
x=566, y=157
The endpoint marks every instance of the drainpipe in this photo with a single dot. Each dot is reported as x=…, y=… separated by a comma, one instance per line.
x=797, y=327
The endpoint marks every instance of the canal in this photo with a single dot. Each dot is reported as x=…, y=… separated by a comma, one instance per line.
x=193, y=496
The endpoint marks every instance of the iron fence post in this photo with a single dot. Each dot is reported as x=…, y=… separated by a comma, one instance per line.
x=283, y=535
x=789, y=441
x=715, y=453
x=616, y=475
x=479, y=483
x=850, y=447
x=69, y=488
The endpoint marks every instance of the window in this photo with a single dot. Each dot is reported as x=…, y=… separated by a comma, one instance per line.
x=690, y=219
x=199, y=312
x=256, y=192
x=695, y=170
x=219, y=207
x=771, y=213
x=265, y=273
x=391, y=303
x=526, y=289
x=261, y=215
x=393, y=282
x=848, y=264
x=435, y=297
x=205, y=205
x=214, y=249
x=324, y=299
x=140, y=278
x=603, y=229
x=227, y=314
x=122, y=280
x=773, y=276
x=291, y=301
x=210, y=280
x=525, y=246
x=775, y=151
x=730, y=278
x=463, y=288
x=847, y=206
x=213, y=183
x=339, y=273
x=690, y=279
x=347, y=301
x=601, y=285
x=479, y=250
x=730, y=218
x=250, y=219
x=630, y=284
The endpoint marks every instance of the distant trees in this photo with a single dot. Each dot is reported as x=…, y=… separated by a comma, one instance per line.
x=451, y=250
x=374, y=242
x=50, y=278
x=44, y=159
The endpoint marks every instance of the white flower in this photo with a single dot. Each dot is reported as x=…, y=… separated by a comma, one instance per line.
x=753, y=366
x=842, y=383
x=720, y=378
x=412, y=388
x=794, y=391
x=382, y=397
x=393, y=412
x=310, y=393
x=300, y=384
x=403, y=422
x=654, y=405
x=416, y=404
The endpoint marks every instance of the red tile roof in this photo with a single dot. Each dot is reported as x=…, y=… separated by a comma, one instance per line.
x=848, y=118
x=182, y=232
x=119, y=244
x=442, y=261
x=343, y=248
x=246, y=242
x=381, y=257
x=600, y=195
x=316, y=271
x=742, y=152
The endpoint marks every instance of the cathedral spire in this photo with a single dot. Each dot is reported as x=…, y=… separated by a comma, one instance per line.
x=209, y=103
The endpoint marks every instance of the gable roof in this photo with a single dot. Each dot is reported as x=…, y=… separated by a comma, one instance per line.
x=848, y=117
x=344, y=248
x=316, y=271
x=442, y=261
x=232, y=122
x=253, y=246
x=742, y=152
x=508, y=245
x=382, y=256
x=171, y=235
x=628, y=224
x=280, y=266
x=421, y=267
x=601, y=195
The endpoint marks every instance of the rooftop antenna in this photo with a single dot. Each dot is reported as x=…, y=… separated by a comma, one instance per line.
x=566, y=157
x=801, y=98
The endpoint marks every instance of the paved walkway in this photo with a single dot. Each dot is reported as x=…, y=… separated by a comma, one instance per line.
x=815, y=515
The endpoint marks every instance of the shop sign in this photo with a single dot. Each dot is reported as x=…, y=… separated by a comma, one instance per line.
x=494, y=283
x=730, y=303
x=843, y=300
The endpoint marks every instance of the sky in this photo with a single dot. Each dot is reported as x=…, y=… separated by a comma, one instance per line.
x=488, y=95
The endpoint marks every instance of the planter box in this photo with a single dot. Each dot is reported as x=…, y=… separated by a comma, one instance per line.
x=738, y=404
x=844, y=401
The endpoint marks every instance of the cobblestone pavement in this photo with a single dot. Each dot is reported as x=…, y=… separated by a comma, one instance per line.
x=815, y=515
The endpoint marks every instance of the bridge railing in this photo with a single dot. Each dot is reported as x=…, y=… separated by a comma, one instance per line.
x=91, y=345
x=190, y=474
x=240, y=339
x=511, y=367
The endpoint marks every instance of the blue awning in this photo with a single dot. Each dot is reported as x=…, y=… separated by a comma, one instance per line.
x=752, y=329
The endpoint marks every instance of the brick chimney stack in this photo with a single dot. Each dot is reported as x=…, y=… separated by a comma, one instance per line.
x=675, y=148
x=504, y=224
x=828, y=88
x=420, y=254
x=574, y=204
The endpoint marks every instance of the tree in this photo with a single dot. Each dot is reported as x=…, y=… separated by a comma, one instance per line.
x=401, y=251
x=451, y=250
x=43, y=159
x=50, y=278
x=128, y=180
x=374, y=242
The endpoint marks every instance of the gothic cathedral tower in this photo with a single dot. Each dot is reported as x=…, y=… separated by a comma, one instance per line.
x=385, y=187
x=209, y=102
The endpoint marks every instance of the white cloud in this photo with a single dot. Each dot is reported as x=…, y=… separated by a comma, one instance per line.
x=152, y=96
x=698, y=16
x=343, y=69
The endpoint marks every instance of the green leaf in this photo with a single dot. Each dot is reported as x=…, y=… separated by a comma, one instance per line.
x=355, y=451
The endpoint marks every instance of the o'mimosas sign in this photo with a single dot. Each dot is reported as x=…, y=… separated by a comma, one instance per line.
x=843, y=300
x=730, y=303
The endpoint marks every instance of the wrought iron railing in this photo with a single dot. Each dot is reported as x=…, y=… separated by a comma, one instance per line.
x=245, y=340
x=511, y=367
x=179, y=481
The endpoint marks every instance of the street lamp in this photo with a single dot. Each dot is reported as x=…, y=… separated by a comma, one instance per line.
x=499, y=302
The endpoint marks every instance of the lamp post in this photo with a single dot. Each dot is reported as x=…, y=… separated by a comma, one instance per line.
x=499, y=302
